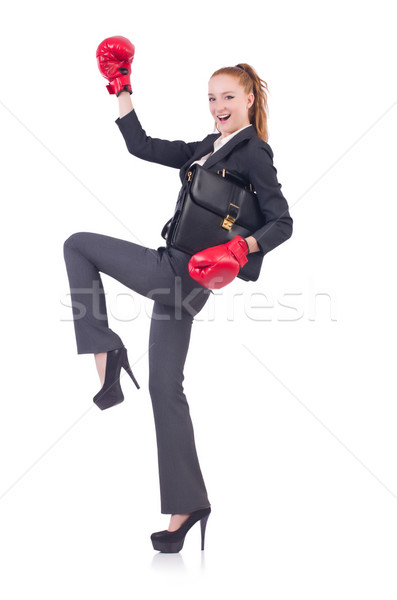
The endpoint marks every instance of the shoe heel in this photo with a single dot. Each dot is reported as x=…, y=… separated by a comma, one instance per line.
x=111, y=392
x=126, y=365
x=203, y=525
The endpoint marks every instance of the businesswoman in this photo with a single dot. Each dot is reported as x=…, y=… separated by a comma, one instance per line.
x=178, y=284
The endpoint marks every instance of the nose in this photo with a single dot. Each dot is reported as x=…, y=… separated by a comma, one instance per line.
x=218, y=108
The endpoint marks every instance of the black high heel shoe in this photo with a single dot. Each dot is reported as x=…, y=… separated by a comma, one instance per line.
x=172, y=541
x=111, y=392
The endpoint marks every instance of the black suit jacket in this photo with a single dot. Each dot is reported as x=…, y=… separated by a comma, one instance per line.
x=245, y=154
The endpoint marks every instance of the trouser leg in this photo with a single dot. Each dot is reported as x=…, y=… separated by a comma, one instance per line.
x=161, y=276
x=182, y=487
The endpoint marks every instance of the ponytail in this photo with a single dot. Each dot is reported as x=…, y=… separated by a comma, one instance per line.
x=249, y=79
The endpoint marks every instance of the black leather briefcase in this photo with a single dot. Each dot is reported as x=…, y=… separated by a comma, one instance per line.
x=213, y=208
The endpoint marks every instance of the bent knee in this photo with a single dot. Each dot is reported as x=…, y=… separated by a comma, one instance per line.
x=74, y=240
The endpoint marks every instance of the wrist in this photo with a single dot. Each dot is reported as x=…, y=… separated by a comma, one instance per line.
x=252, y=244
x=239, y=248
x=122, y=84
x=119, y=84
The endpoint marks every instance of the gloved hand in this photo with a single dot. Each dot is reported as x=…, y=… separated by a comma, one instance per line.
x=217, y=266
x=114, y=56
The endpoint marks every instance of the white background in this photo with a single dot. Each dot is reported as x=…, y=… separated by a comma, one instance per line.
x=290, y=380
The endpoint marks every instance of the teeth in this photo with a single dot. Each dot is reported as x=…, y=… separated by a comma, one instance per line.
x=223, y=116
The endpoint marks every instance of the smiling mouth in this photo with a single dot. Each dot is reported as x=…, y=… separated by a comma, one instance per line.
x=223, y=118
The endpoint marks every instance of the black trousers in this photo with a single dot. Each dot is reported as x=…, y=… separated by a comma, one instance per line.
x=161, y=275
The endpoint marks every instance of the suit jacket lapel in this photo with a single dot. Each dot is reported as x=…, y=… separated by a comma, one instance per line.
x=220, y=154
x=208, y=144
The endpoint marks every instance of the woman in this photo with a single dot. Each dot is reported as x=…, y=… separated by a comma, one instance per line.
x=178, y=284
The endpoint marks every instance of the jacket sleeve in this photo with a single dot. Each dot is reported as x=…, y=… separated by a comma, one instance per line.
x=164, y=152
x=263, y=176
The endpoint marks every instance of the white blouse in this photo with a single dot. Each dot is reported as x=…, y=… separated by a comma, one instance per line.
x=218, y=144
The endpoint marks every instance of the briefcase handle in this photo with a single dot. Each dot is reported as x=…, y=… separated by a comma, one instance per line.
x=235, y=178
x=164, y=231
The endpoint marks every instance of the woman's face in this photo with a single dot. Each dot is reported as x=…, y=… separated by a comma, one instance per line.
x=228, y=98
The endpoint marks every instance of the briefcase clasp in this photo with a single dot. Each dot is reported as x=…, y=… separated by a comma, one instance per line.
x=228, y=221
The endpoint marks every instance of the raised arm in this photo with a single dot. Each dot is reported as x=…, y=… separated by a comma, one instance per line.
x=165, y=152
x=114, y=57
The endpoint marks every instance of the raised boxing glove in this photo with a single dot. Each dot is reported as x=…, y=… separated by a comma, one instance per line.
x=114, y=56
x=217, y=266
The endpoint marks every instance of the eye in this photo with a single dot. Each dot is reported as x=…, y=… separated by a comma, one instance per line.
x=229, y=97
x=211, y=99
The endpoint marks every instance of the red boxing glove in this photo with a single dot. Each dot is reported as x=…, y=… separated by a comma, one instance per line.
x=217, y=266
x=114, y=56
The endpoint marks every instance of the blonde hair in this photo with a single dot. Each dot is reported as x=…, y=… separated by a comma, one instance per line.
x=249, y=79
